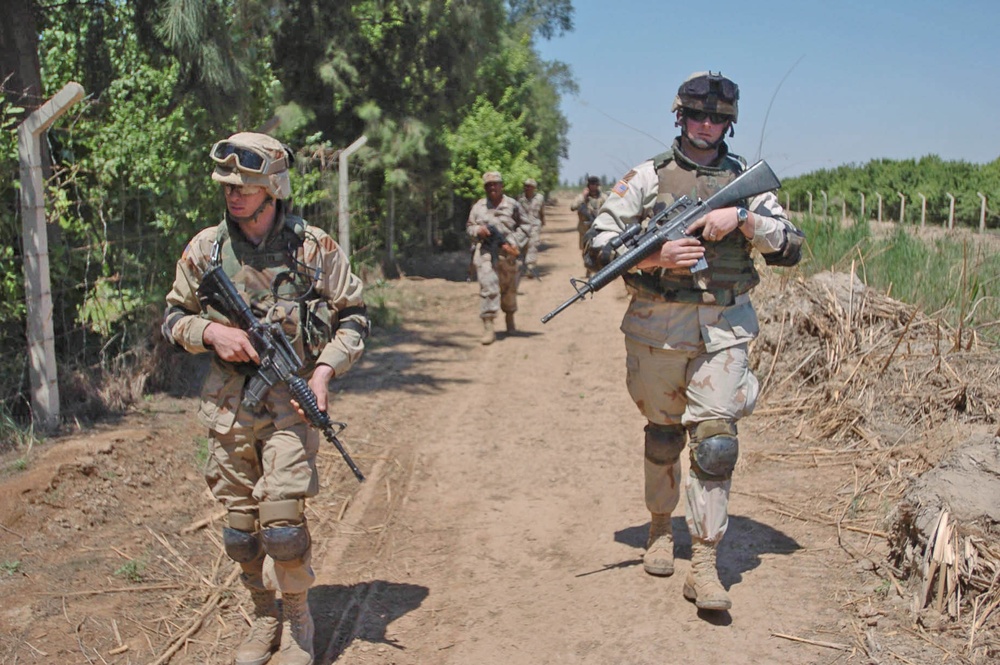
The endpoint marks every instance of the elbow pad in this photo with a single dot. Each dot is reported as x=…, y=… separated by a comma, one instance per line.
x=791, y=251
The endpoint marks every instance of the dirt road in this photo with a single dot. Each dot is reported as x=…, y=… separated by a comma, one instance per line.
x=502, y=521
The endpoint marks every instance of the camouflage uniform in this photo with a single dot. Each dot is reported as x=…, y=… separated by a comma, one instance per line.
x=263, y=461
x=536, y=211
x=498, y=276
x=587, y=208
x=686, y=336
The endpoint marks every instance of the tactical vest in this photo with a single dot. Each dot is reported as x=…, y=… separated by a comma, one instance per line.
x=277, y=285
x=730, y=270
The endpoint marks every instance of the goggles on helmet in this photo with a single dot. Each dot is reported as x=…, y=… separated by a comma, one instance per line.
x=246, y=159
x=711, y=84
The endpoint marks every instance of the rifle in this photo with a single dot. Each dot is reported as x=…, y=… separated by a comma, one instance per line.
x=495, y=241
x=278, y=360
x=670, y=223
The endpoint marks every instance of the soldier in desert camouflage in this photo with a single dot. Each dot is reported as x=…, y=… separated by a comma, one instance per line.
x=533, y=204
x=587, y=205
x=262, y=463
x=686, y=335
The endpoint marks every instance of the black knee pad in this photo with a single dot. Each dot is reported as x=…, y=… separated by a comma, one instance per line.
x=714, y=449
x=286, y=543
x=664, y=443
x=241, y=546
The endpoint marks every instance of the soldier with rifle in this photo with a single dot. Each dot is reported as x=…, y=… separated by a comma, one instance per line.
x=690, y=320
x=587, y=205
x=501, y=227
x=274, y=301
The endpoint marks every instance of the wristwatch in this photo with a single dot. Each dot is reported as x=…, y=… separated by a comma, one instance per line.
x=742, y=215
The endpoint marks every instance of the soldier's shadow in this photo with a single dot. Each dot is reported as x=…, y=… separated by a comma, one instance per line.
x=342, y=614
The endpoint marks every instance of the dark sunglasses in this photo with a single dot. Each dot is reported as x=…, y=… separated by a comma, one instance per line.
x=245, y=159
x=699, y=116
x=703, y=86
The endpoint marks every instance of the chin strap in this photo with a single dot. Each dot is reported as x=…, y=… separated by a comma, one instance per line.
x=252, y=216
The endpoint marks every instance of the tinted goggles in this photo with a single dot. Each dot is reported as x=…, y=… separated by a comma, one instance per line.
x=711, y=84
x=699, y=116
x=246, y=159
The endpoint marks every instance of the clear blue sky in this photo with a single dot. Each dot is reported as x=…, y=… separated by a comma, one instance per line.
x=892, y=79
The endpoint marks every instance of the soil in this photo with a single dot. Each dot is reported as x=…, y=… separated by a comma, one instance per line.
x=502, y=520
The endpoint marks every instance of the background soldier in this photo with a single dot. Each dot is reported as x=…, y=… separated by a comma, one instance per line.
x=262, y=465
x=533, y=204
x=686, y=335
x=587, y=206
x=502, y=229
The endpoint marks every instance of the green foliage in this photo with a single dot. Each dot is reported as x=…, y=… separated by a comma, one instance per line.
x=11, y=567
x=202, y=451
x=131, y=571
x=378, y=299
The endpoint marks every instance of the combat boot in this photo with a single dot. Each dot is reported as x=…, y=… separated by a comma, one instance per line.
x=509, y=320
x=659, y=556
x=265, y=631
x=488, y=335
x=297, y=638
x=702, y=584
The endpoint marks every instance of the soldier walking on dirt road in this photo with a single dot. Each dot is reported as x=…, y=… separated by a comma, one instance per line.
x=262, y=463
x=587, y=205
x=533, y=204
x=502, y=228
x=686, y=334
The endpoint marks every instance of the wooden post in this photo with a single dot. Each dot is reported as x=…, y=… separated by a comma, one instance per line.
x=810, y=203
x=923, y=209
x=879, y=206
x=37, y=281
x=902, y=207
x=862, y=215
x=982, y=212
x=343, y=219
x=951, y=211
x=823, y=192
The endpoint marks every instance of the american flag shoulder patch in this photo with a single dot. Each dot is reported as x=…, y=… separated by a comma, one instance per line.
x=620, y=187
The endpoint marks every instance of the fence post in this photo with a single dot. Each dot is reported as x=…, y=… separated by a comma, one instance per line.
x=788, y=203
x=902, y=207
x=862, y=215
x=823, y=192
x=879, y=206
x=951, y=211
x=843, y=208
x=37, y=281
x=343, y=219
x=810, y=203
x=923, y=209
x=982, y=212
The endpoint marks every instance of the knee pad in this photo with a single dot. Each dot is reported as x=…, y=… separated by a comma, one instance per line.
x=664, y=443
x=241, y=546
x=286, y=543
x=714, y=449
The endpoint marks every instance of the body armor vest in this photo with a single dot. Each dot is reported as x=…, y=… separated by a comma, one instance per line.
x=278, y=287
x=730, y=270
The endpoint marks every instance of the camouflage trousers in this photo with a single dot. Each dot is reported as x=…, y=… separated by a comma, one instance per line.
x=531, y=250
x=497, y=284
x=256, y=461
x=582, y=227
x=673, y=387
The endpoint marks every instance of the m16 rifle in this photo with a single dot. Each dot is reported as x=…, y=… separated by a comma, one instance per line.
x=278, y=360
x=670, y=223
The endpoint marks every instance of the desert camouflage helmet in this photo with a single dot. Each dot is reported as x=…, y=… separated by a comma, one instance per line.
x=710, y=92
x=249, y=158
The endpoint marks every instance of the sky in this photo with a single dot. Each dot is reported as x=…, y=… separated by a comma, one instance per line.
x=822, y=83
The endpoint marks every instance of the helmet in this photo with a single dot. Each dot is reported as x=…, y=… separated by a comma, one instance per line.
x=531, y=182
x=709, y=92
x=249, y=158
x=492, y=176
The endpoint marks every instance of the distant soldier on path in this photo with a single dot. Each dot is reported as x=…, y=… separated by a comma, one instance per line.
x=587, y=206
x=533, y=204
x=502, y=228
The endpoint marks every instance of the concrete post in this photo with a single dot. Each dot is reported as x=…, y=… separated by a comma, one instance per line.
x=923, y=209
x=823, y=192
x=879, y=206
x=343, y=219
x=810, y=203
x=902, y=207
x=982, y=212
x=862, y=215
x=37, y=284
x=951, y=211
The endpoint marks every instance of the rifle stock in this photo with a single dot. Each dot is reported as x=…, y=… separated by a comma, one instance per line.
x=278, y=360
x=671, y=223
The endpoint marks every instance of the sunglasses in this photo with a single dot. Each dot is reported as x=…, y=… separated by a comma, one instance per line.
x=716, y=84
x=227, y=154
x=699, y=116
x=242, y=190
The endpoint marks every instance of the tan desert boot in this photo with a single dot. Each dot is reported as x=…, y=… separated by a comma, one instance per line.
x=659, y=556
x=702, y=584
x=265, y=631
x=509, y=320
x=488, y=335
x=297, y=639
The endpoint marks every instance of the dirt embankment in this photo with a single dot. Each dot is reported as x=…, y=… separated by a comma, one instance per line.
x=503, y=521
